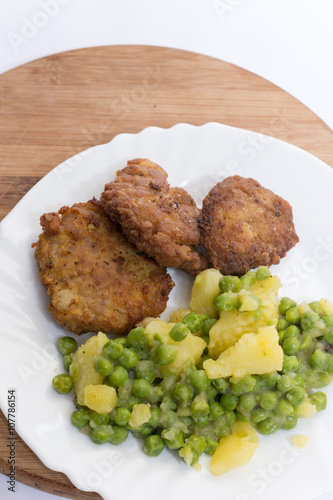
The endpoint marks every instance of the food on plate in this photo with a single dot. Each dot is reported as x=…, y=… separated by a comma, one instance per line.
x=160, y=220
x=95, y=278
x=244, y=225
x=158, y=382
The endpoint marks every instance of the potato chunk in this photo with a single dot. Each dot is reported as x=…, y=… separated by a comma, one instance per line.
x=100, y=398
x=235, y=450
x=82, y=368
x=188, y=350
x=140, y=415
x=205, y=289
x=233, y=324
x=252, y=354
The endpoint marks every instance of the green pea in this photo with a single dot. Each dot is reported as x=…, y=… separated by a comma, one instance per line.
x=329, y=363
x=290, y=364
x=128, y=359
x=319, y=399
x=245, y=384
x=97, y=419
x=291, y=345
x=267, y=426
x=119, y=435
x=175, y=442
x=309, y=320
x=137, y=337
x=318, y=359
x=118, y=377
x=122, y=341
x=197, y=443
x=299, y=380
x=103, y=366
x=268, y=400
x=269, y=380
x=67, y=359
x=247, y=280
x=259, y=414
x=305, y=340
x=165, y=354
x=193, y=321
x=145, y=368
x=230, y=416
x=181, y=393
x=317, y=378
x=211, y=445
x=201, y=421
x=292, y=331
x=207, y=325
x=80, y=418
x=263, y=273
x=101, y=434
x=290, y=422
x=281, y=336
x=241, y=417
x=293, y=315
x=199, y=407
x=284, y=407
x=230, y=284
x=168, y=403
x=229, y=401
x=216, y=410
x=199, y=380
x=66, y=345
x=113, y=349
x=282, y=324
x=225, y=302
x=155, y=413
x=221, y=384
x=154, y=445
x=285, y=304
x=122, y=416
x=179, y=332
x=141, y=388
x=285, y=383
x=247, y=402
x=62, y=383
x=296, y=396
x=317, y=307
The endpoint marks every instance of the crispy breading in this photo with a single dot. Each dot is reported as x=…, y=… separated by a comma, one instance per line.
x=95, y=278
x=244, y=225
x=160, y=220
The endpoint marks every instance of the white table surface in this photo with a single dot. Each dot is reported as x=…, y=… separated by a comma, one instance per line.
x=288, y=42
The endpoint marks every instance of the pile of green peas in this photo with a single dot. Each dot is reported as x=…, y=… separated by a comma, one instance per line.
x=189, y=412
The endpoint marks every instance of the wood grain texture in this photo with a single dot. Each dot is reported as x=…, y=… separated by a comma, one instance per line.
x=55, y=107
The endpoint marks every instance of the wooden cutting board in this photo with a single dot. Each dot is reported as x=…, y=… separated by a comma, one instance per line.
x=55, y=107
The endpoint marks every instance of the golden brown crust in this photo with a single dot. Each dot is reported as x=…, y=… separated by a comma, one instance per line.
x=95, y=278
x=160, y=220
x=244, y=225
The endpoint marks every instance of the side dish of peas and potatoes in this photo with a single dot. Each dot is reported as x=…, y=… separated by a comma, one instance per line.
x=238, y=361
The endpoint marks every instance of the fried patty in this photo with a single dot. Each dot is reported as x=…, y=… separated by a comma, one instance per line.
x=160, y=220
x=244, y=225
x=95, y=278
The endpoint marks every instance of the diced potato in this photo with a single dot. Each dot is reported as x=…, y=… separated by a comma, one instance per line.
x=140, y=414
x=100, y=398
x=300, y=441
x=252, y=354
x=189, y=349
x=233, y=324
x=178, y=315
x=304, y=307
x=205, y=289
x=306, y=409
x=82, y=368
x=235, y=450
x=327, y=306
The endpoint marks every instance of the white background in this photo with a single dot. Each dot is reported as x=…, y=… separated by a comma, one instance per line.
x=288, y=42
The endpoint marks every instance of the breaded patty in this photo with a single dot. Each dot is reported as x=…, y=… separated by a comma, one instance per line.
x=95, y=278
x=244, y=225
x=160, y=220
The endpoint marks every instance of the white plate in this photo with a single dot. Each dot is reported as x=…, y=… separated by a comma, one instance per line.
x=196, y=158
